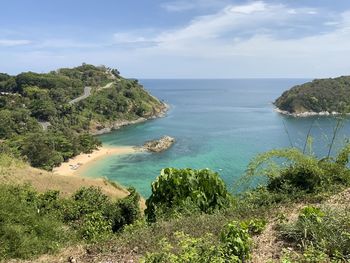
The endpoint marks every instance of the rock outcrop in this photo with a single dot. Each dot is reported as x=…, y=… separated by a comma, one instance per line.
x=159, y=145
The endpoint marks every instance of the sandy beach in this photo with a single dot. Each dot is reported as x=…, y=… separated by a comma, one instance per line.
x=80, y=162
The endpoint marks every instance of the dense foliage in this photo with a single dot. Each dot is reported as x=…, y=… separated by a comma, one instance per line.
x=25, y=230
x=39, y=121
x=176, y=190
x=34, y=223
x=332, y=95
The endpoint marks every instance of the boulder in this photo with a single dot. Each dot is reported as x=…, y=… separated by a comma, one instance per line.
x=159, y=145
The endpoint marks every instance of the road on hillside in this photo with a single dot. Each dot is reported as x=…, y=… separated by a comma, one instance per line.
x=87, y=93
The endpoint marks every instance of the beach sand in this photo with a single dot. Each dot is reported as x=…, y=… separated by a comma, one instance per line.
x=75, y=165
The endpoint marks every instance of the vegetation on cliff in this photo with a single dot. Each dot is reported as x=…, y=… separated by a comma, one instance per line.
x=41, y=122
x=320, y=95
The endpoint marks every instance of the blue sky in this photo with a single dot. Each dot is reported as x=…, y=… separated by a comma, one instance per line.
x=179, y=38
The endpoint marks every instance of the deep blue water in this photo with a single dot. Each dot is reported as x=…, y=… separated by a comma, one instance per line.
x=218, y=124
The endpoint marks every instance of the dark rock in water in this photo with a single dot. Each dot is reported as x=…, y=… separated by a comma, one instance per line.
x=159, y=145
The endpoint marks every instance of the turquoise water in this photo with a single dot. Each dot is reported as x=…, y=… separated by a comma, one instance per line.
x=218, y=124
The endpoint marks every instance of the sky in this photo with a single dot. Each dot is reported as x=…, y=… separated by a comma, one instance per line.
x=179, y=38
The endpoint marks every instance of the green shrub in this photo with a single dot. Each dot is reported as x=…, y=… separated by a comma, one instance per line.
x=324, y=231
x=234, y=246
x=236, y=240
x=49, y=202
x=310, y=255
x=177, y=189
x=188, y=250
x=85, y=201
x=24, y=231
x=126, y=211
x=310, y=213
x=95, y=215
x=299, y=172
x=254, y=226
x=95, y=227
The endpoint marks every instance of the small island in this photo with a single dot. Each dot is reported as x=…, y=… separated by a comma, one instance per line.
x=318, y=97
x=160, y=145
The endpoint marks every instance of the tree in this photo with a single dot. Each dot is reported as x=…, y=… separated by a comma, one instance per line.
x=42, y=109
x=40, y=151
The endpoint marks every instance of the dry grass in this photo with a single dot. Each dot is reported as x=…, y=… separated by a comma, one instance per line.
x=43, y=181
x=268, y=246
x=341, y=199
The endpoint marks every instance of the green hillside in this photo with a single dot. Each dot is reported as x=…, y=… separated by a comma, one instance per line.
x=299, y=214
x=320, y=95
x=47, y=118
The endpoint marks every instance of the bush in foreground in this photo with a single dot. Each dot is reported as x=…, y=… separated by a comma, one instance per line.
x=33, y=223
x=24, y=230
x=178, y=190
x=300, y=172
x=234, y=245
x=321, y=231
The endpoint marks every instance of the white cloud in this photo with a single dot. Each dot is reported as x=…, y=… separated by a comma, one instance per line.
x=14, y=42
x=258, y=39
x=249, y=41
x=219, y=29
x=183, y=5
x=250, y=8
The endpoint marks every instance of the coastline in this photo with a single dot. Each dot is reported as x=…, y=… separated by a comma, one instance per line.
x=75, y=165
x=122, y=123
x=79, y=163
x=307, y=113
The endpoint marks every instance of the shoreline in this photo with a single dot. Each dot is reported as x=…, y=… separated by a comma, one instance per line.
x=79, y=163
x=308, y=113
x=75, y=165
x=122, y=123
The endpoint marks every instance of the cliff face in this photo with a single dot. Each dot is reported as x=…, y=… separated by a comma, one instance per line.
x=98, y=128
x=324, y=96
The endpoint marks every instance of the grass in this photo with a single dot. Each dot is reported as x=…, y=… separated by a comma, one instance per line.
x=14, y=171
x=319, y=234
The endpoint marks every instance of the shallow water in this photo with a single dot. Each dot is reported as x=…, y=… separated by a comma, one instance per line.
x=218, y=124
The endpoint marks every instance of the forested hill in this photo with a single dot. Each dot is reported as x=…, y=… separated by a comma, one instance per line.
x=43, y=121
x=320, y=95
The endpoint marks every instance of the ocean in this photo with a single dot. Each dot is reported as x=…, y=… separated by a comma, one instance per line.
x=218, y=124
